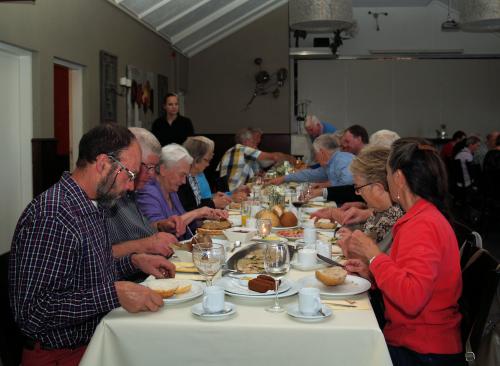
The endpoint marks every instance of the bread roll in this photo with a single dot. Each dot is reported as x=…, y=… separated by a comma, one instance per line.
x=278, y=210
x=269, y=215
x=288, y=219
x=168, y=287
x=325, y=224
x=332, y=276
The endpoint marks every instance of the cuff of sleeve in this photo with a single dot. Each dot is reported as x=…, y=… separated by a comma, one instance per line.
x=125, y=266
x=106, y=298
x=376, y=261
x=325, y=193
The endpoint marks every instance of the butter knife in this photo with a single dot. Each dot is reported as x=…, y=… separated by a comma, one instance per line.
x=330, y=261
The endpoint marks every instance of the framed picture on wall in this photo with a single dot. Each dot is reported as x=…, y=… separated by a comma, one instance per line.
x=108, y=82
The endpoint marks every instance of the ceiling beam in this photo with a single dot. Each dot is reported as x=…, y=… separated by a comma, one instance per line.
x=207, y=20
x=181, y=14
x=231, y=28
x=153, y=8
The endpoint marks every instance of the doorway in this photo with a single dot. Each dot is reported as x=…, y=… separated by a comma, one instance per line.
x=16, y=132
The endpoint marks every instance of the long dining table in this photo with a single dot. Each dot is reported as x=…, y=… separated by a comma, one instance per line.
x=251, y=336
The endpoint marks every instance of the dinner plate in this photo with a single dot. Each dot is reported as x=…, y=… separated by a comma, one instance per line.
x=284, y=234
x=293, y=311
x=239, y=284
x=229, y=309
x=196, y=290
x=234, y=289
x=353, y=285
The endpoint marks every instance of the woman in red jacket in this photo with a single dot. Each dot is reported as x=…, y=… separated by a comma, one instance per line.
x=420, y=279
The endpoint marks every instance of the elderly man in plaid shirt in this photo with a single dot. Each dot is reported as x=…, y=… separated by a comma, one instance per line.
x=62, y=275
x=240, y=163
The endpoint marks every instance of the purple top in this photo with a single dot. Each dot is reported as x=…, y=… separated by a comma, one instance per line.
x=154, y=206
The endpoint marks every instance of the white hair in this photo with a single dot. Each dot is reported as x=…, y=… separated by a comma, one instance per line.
x=148, y=142
x=383, y=138
x=312, y=121
x=327, y=141
x=172, y=154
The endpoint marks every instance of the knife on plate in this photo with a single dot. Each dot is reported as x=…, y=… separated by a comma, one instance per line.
x=330, y=261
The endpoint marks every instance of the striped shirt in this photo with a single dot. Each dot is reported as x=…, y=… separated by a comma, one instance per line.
x=61, y=269
x=125, y=221
x=238, y=164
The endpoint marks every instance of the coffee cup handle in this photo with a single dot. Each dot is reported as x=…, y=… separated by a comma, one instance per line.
x=205, y=302
x=317, y=302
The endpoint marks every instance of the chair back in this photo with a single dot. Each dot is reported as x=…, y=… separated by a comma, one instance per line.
x=11, y=341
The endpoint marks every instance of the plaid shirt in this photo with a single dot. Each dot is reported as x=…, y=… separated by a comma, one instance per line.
x=238, y=164
x=61, y=270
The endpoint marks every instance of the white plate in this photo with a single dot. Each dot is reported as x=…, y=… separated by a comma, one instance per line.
x=239, y=286
x=301, y=267
x=353, y=285
x=284, y=227
x=293, y=311
x=233, y=288
x=196, y=290
x=229, y=309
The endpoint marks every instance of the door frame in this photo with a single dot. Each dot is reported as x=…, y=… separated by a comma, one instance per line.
x=75, y=75
x=25, y=118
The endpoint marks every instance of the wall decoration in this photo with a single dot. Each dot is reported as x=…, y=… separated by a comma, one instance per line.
x=108, y=82
x=141, y=104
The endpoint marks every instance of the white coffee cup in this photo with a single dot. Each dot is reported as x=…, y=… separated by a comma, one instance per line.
x=213, y=299
x=325, y=249
x=309, y=301
x=307, y=257
x=308, y=223
x=252, y=223
x=310, y=235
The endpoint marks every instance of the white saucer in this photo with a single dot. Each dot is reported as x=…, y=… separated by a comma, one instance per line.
x=302, y=267
x=293, y=311
x=229, y=309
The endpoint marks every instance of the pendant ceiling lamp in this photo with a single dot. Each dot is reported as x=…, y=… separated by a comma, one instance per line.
x=320, y=15
x=480, y=15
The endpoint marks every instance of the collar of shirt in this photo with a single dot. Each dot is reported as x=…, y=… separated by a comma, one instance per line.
x=82, y=204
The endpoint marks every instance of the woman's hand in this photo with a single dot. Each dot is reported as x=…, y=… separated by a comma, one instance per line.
x=210, y=213
x=330, y=213
x=348, y=205
x=362, y=246
x=221, y=200
x=359, y=267
x=354, y=215
x=344, y=236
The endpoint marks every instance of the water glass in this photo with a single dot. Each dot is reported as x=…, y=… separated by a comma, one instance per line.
x=277, y=265
x=208, y=258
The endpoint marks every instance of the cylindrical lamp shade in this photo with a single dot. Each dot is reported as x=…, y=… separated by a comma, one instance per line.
x=480, y=15
x=320, y=15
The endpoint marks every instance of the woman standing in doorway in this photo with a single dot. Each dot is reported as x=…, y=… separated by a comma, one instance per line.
x=173, y=128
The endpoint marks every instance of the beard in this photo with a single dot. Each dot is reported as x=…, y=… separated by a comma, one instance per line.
x=107, y=196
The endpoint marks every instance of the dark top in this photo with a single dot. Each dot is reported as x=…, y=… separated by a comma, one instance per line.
x=188, y=200
x=180, y=129
x=343, y=194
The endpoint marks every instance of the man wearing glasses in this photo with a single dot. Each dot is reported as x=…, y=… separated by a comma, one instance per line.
x=129, y=231
x=62, y=275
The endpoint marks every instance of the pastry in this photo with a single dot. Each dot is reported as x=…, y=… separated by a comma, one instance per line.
x=261, y=283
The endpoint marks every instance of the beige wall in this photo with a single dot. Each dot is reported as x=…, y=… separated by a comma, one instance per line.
x=221, y=79
x=76, y=30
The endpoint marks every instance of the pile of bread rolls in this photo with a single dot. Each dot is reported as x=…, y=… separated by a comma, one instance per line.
x=278, y=216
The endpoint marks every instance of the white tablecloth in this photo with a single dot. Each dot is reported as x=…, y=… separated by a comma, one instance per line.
x=253, y=336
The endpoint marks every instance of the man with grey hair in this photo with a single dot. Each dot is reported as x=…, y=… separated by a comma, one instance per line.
x=334, y=165
x=383, y=138
x=238, y=164
x=314, y=127
x=128, y=230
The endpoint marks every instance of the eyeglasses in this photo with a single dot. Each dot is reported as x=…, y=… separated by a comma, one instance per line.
x=357, y=189
x=131, y=175
x=148, y=167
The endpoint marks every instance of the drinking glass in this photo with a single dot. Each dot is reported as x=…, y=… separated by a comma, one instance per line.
x=208, y=258
x=277, y=265
x=264, y=227
x=299, y=200
x=246, y=212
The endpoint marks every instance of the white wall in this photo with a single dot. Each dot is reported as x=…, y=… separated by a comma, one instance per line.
x=410, y=97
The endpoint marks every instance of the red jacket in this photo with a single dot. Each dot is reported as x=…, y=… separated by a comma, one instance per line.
x=421, y=282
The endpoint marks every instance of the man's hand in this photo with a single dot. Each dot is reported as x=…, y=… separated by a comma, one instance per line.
x=275, y=181
x=239, y=196
x=174, y=224
x=154, y=265
x=135, y=298
x=158, y=243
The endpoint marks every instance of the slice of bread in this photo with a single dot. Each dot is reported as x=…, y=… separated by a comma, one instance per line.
x=331, y=276
x=325, y=224
x=185, y=267
x=168, y=287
